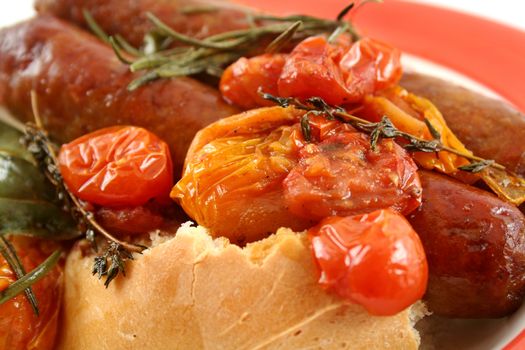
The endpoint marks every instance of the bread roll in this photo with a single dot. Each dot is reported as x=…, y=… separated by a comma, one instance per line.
x=194, y=292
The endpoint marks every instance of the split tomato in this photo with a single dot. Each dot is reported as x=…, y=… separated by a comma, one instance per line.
x=376, y=260
x=117, y=166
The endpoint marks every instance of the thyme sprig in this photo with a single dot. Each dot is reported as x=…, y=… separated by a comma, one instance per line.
x=212, y=54
x=115, y=256
x=44, y=151
x=383, y=129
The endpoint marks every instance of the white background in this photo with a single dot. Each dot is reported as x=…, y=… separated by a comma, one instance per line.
x=511, y=12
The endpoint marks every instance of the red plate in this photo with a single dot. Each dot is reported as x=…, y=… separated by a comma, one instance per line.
x=487, y=52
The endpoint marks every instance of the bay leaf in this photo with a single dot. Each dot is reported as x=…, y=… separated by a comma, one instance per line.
x=22, y=180
x=36, y=218
x=28, y=203
x=10, y=143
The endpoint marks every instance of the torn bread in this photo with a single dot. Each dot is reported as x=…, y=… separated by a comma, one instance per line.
x=194, y=292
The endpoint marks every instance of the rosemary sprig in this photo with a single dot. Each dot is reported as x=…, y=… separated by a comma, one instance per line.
x=284, y=38
x=212, y=54
x=25, y=282
x=43, y=150
x=94, y=27
x=383, y=129
x=9, y=253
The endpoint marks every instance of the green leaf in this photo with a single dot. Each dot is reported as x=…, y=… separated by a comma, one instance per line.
x=10, y=143
x=28, y=203
x=29, y=279
x=20, y=179
x=36, y=218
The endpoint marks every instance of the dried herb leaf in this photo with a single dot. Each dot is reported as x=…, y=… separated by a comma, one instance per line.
x=345, y=11
x=94, y=27
x=284, y=39
x=115, y=256
x=476, y=167
x=305, y=128
x=435, y=134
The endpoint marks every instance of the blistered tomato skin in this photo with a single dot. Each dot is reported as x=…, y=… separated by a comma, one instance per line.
x=312, y=69
x=117, y=166
x=375, y=260
x=371, y=65
x=20, y=328
x=241, y=81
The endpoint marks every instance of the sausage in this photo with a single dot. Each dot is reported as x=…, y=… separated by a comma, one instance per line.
x=488, y=127
x=475, y=246
x=81, y=87
x=128, y=18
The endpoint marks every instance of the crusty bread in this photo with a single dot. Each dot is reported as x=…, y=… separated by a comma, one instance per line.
x=193, y=292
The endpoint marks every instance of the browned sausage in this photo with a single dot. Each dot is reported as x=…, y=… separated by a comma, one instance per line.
x=488, y=127
x=475, y=246
x=81, y=87
x=128, y=18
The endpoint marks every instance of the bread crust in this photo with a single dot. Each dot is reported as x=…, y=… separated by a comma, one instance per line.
x=193, y=292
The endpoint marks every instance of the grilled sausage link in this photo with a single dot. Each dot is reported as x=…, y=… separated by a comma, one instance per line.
x=128, y=18
x=81, y=87
x=475, y=246
x=488, y=127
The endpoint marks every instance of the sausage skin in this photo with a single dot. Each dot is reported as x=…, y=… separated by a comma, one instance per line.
x=488, y=127
x=475, y=246
x=128, y=18
x=81, y=87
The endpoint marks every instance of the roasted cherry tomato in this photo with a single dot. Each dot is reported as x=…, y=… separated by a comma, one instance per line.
x=117, y=166
x=375, y=260
x=369, y=66
x=339, y=73
x=341, y=175
x=241, y=81
x=312, y=69
x=20, y=328
x=250, y=174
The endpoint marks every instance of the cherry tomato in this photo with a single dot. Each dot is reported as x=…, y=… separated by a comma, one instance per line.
x=341, y=175
x=370, y=66
x=241, y=80
x=339, y=73
x=375, y=260
x=117, y=166
x=20, y=328
x=312, y=69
